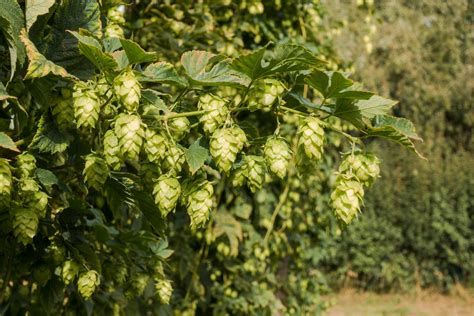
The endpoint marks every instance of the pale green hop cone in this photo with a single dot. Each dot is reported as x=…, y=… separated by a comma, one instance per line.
x=130, y=133
x=5, y=182
x=346, y=198
x=255, y=172
x=311, y=139
x=166, y=192
x=25, y=225
x=164, y=290
x=155, y=146
x=174, y=159
x=25, y=165
x=95, y=171
x=69, y=271
x=179, y=127
x=87, y=283
x=264, y=93
x=112, y=153
x=216, y=114
x=277, y=156
x=63, y=110
x=225, y=144
x=199, y=205
x=127, y=89
x=86, y=105
x=364, y=166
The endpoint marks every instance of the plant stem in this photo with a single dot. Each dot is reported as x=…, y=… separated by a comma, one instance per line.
x=183, y=114
x=281, y=201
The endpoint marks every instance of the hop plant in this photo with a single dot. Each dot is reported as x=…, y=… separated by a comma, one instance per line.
x=346, y=197
x=130, y=133
x=255, y=172
x=37, y=201
x=112, y=153
x=164, y=289
x=365, y=167
x=277, y=156
x=264, y=93
x=5, y=181
x=86, y=105
x=155, y=146
x=238, y=176
x=179, y=127
x=139, y=282
x=63, y=109
x=166, y=192
x=225, y=144
x=87, y=283
x=95, y=171
x=311, y=138
x=69, y=271
x=174, y=159
x=25, y=225
x=216, y=114
x=127, y=90
x=25, y=165
x=199, y=204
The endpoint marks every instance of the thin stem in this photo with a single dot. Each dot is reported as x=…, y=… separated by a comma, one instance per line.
x=292, y=110
x=182, y=114
x=283, y=197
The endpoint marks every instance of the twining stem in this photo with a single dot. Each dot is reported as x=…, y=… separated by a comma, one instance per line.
x=292, y=110
x=183, y=114
x=281, y=201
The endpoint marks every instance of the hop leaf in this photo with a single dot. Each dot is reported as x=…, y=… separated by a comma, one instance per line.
x=25, y=225
x=179, y=127
x=225, y=144
x=365, y=167
x=112, y=152
x=277, y=155
x=216, y=115
x=69, y=271
x=311, y=138
x=346, y=198
x=264, y=93
x=130, y=133
x=199, y=204
x=175, y=158
x=86, y=105
x=95, y=171
x=63, y=110
x=155, y=146
x=255, y=172
x=25, y=164
x=166, y=191
x=5, y=181
x=164, y=289
x=87, y=283
x=128, y=90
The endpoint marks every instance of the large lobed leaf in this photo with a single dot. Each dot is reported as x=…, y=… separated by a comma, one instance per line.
x=35, y=8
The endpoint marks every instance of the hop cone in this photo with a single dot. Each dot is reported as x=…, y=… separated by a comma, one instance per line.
x=174, y=160
x=25, y=164
x=164, y=289
x=264, y=93
x=179, y=127
x=114, y=30
x=130, y=133
x=63, y=110
x=155, y=146
x=87, y=283
x=199, y=204
x=364, y=166
x=25, y=225
x=127, y=89
x=346, y=198
x=95, y=171
x=112, y=153
x=311, y=138
x=86, y=105
x=216, y=115
x=42, y=274
x=37, y=201
x=277, y=155
x=5, y=181
x=69, y=271
x=166, y=192
x=139, y=283
x=238, y=176
x=225, y=144
x=255, y=172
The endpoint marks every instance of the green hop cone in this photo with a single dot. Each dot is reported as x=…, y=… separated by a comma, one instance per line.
x=199, y=204
x=164, y=290
x=114, y=30
x=63, y=110
x=225, y=144
x=311, y=139
x=216, y=114
x=25, y=165
x=127, y=90
x=174, y=159
x=69, y=271
x=87, y=283
x=277, y=156
x=112, y=152
x=42, y=274
x=130, y=134
x=138, y=283
x=238, y=176
x=25, y=225
x=166, y=192
x=37, y=201
x=86, y=105
x=255, y=172
x=179, y=127
x=155, y=146
x=95, y=171
x=346, y=198
x=264, y=93
x=364, y=166
x=5, y=182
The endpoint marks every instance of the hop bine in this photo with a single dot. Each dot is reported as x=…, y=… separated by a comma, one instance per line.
x=225, y=144
x=264, y=93
x=277, y=156
x=86, y=105
x=164, y=290
x=95, y=171
x=127, y=90
x=130, y=133
x=166, y=192
x=199, y=204
x=311, y=139
x=87, y=283
x=216, y=114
